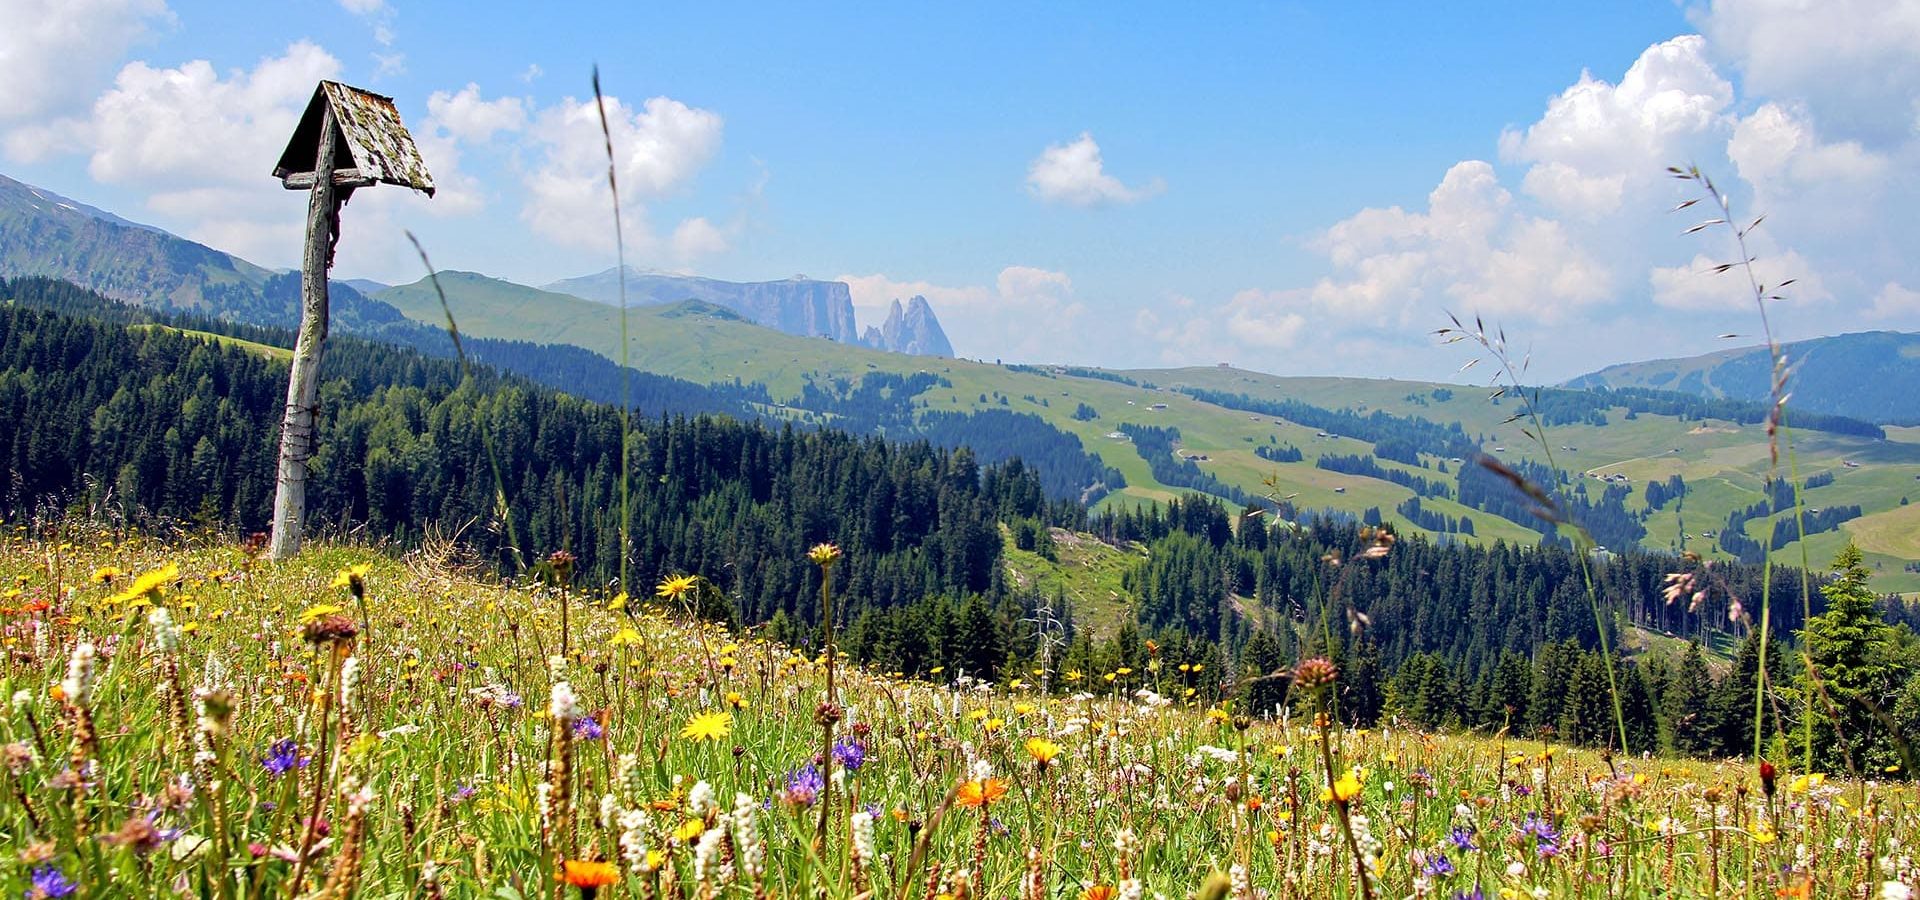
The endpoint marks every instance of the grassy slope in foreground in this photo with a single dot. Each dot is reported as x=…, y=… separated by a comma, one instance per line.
x=451, y=729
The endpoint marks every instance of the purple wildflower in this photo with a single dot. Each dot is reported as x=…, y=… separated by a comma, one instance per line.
x=1539, y=829
x=283, y=757
x=1439, y=866
x=1470, y=895
x=462, y=792
x=586, y=728
x=804, y=786
x=47, y=881
x=850, y=754
x=1462, y=840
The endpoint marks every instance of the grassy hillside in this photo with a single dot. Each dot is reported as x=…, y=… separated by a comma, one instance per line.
x=264, y=350
x=704, y=343
x=379, y=730
x=1723, y=463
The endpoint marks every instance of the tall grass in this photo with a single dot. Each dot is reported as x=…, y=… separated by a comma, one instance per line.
x=1779, y=437
x=626, y=346
x=667, y=761
x=1508, y=381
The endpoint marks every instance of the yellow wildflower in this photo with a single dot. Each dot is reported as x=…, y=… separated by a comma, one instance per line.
x=147, y=584
x=708, y=726
x=676, y=587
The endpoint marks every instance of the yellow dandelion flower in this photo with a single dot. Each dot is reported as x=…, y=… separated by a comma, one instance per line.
x=347, y=576
x=1042, y=750
x=708, y=726
x=105, y=575
x=1344, y=789
x=314, y=612
x=147, y=584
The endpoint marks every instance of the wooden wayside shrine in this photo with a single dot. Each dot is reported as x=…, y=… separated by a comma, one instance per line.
x=347, y=139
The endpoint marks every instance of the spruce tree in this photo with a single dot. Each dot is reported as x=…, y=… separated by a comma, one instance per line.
x=1687, y=707
x=1853, y=674
x=1260, y=694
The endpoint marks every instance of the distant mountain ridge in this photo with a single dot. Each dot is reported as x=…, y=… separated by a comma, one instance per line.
x=914, y=330
x=1870, y=375
x=797, y=305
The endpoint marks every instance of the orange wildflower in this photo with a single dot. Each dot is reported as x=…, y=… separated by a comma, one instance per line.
x=981, y=793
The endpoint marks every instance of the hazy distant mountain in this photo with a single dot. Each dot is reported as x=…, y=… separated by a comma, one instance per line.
x=366, y=286
x=45, y=234
x=1871, y=375
x=914, y=330
x=797, y=305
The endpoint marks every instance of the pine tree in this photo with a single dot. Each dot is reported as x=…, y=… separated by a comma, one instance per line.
x=1687, y=707
x=1260, y=694
x=1587, y=716
x=1507, y=700
x=1730, y=710
x=1854, y=674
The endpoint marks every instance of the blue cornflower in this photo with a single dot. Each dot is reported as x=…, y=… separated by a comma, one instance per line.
x=1439, y=866
x=587, y=728
x=804, y=786
x=283, y=757
x=1470, y=895
x=47, y=881
x=850, y=754
x=1462, y=839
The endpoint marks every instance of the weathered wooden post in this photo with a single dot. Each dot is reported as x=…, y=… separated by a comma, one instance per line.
x=342, y=124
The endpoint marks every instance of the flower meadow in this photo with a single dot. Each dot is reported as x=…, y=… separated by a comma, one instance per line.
x=183, y=719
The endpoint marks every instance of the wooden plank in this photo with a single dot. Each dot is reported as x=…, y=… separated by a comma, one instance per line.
x=348, y=178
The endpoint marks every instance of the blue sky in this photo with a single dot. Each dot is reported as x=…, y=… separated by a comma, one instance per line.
x=1299, y=188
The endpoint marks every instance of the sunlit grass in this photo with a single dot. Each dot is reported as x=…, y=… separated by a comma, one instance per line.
x=432, y=761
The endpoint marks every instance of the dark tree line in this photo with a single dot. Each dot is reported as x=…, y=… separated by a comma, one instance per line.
x=160, y=423
x=1424, y=435
x=1159, y=446
x=1365, y=466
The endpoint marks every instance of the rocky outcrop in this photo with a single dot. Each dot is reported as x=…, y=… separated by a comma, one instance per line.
x=913, y=329
x=797, y=305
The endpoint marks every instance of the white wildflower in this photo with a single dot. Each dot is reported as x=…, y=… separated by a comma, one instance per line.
x=78, y=685
x=563, y=705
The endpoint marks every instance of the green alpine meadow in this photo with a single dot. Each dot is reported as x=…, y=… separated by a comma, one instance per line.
x=1226, y=453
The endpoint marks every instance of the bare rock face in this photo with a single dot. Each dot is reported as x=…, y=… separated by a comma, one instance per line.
x=913, y=329
x=797, y=305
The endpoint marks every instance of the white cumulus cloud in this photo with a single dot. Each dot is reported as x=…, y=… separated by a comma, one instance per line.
x=658, y=149
x=1075, y=174
x=1596, y=137
x=54, y=54
x=1697, y=286
x=469, y=118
